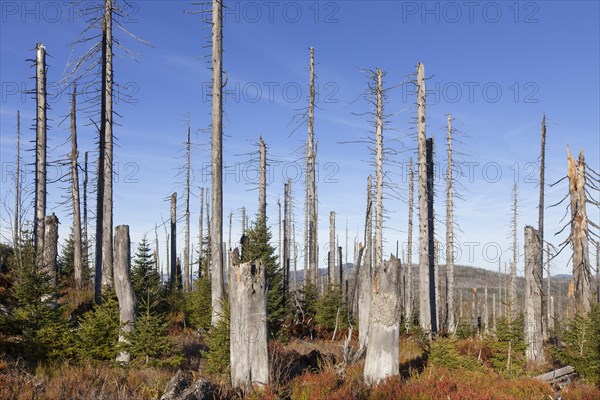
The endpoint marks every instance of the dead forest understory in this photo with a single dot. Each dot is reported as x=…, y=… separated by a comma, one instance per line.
x=93, y=316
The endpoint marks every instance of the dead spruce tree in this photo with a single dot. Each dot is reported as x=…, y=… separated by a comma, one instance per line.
x=124, y=288
x=216, y=239
x=533, y=297
x=17, y=216
x=40, y=154
x=378, y=245
x=364, y=275
x=287, y=227
x=77, y=241
x=450, y=233
x=186, y=247
x=409, y=284
x=311, y=217
x=433, y=303
x=424, y=295
x=541, y=218
x=383, y=352
x=174, y=278
x=512, y=298
x=50, y=251
x=248, y=323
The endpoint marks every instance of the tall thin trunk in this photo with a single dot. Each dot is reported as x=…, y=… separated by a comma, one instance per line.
x=124, y=288
x=295, y=247
x=331, y=270
x=86, y=242
x=533, y=297
x=378, y=246
x=243, y=220
x=450, y=232
x=201, y=233
x=424, y=298
x=579, y=236
x=156, y=252
x=437, y=283
x=106, y=131
x=512, y=302
x=549, y=318
x=313, y=255
x=541, y=219
x=186, y=249
x=17, y=219
x=494, y=312
x=431, y=237
x=486, y=317
x=286, y=235
x=364, y=274
x=174, y=281
x=217, y=163
x=409, y=285
x=40, y=155
x=77, y=248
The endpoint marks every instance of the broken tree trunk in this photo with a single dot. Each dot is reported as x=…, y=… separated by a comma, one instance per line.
x=579, y=236
x=186, y=247
x=262, y=184
x=378, y=243
x=533, y=297
x=450, y=234
x=383, y=352
x=77, y=246
x=424, y=295
x=216, y=238
x=173, y=277
x=124, y=288
x=50, y=252
x=364, y=276
x=40, y=155
x=541, y=219
x=248, y=320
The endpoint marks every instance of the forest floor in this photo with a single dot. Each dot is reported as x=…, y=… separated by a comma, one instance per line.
x=302, y=368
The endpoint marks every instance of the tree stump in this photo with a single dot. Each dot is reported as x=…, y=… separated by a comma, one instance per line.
x=124, y=288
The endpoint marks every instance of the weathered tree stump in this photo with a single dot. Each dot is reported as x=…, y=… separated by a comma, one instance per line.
x=248, y=323
x=124, y=288
x=383, y=354
x=533, y=297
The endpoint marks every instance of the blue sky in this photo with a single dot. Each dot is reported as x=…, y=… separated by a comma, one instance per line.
x=494, y=66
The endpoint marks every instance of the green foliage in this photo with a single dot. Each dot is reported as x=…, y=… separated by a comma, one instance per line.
x=464, y=329
x=218, y=338
x=331, y=308
x=258, y=247
x=308, y=300
x=582, y=345
x=98, y=332
x=150, y=338
x=509, y=336
x=144, y=277
x=37, y=317
x=444, y=353
x=199, y=304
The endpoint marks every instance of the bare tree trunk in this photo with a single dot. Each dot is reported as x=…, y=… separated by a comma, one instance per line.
x=173, y=277
x=17, y=219
x=383, y=352
x=86, y=242
x=450, y=232
x=486, y=315
x=512, y=301
x=287, y=226
x=248, y=321
x=313, y=255
x=431, y=238
x=533, y=297
x=201, y=233
x=186, y=250
x=124, y=288
x=549, y=321
x=437, y=283
x=77, y=249
x=295, y=247
x=424, y=296
x=156, y=252
x=494, y=312
x=331, y=270
x=364, y=276
x=409, y=285
x=262, y=184
x=217, y=163
x=50, y=251
x=40, y=155
x=378, y=246
x=541, y=222
x=106, y=131
x=579, y=236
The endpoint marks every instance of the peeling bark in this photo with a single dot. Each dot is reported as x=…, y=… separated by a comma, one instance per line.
x=533, y=297
x=124, y=288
